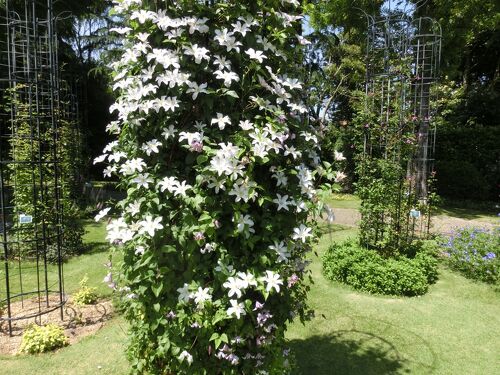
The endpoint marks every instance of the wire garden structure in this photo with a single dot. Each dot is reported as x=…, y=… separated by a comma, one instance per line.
x=33, y=103
x=403, y=57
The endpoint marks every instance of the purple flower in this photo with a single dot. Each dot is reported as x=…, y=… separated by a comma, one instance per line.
x=292, y=280
x=199, y=236
x=237, y=340
x=489, y=256
x=258, y=306
x=197, y=146
x=263, y=317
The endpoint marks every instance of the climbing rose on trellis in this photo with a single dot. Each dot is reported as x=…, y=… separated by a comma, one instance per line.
x=219, y=163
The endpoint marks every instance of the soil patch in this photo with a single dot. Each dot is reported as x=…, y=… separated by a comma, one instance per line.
x=78, y=321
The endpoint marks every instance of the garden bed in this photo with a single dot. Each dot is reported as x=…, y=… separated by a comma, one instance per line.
x=79, y=321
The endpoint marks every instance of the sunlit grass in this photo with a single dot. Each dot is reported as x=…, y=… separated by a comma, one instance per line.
x=453, y=329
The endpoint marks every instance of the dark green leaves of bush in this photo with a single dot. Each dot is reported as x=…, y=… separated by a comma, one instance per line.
x=368, y=271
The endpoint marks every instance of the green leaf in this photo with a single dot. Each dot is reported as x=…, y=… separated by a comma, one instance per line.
x=201, y=159
x=214, y=336
x=157, y=289
x=218, y=341
x=232, y=93
x=224, y=338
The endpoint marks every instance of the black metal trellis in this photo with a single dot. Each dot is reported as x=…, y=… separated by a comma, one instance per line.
x=403, y=56
x=31, y=214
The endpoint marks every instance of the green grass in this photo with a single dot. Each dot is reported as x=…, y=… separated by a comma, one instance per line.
x=91, y=264
x=468, y=210
x=336, y=200
x=102, y=353
x=454, y=329
x=469, y=213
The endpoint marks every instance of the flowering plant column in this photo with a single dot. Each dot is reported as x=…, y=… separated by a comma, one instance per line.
x=219, y=163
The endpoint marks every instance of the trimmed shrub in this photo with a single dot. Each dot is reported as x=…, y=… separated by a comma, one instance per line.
x=368, y=271
x=40, y=339
x=475, y=253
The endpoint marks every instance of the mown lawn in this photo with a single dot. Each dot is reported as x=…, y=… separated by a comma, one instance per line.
x=342, y=201
x=90, y=264
x=454, y=329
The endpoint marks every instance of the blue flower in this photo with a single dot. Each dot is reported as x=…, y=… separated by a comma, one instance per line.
x=490, y=255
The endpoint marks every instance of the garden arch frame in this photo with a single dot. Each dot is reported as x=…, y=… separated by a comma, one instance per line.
x=402, y=60
x=34, y=101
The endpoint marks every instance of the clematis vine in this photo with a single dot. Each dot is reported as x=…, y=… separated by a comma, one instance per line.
x=220, y=164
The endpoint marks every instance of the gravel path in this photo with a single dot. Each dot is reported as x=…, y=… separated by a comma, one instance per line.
x=440, y=224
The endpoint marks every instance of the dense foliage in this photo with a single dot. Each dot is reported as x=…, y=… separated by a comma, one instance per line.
x=468, y=158
x=219, y=163
x=367, y=270
x=85, y=295
x=475, y=252
x=468, y=121
x=386, y=221
x=33, y=176
x=39, y=339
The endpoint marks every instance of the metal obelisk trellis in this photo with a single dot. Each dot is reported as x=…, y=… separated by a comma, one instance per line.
x=403, y=56
x=30, y=182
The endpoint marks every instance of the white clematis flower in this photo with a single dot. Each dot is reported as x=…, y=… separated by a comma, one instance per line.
x=150, y=225
x=236, y=309
x=202, y=295
x=272, y=281
x=169, y=132
x=143, y=180
x=221, y=121
x=234, y=285
x=196, y=89
x=151, y=147
x=102, y=214
x=184, y=293
x=227, y=77
x=282, y=202
x=256, y=55
x=301, y=233
x=186, y=356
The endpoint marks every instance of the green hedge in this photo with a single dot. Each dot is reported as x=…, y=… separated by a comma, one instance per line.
x=468, y=162
x=368, y=271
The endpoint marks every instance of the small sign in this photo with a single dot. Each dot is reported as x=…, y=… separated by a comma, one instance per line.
x=25, y=219
x=414, y=213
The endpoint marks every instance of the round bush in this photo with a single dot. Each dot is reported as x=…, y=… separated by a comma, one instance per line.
x=368, y=271
x=40, y=339
x=85, y=295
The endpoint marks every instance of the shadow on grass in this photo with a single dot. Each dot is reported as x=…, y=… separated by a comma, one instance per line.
x=96, y=247
x=328, y=228
x=468, y=210
x=348, y=352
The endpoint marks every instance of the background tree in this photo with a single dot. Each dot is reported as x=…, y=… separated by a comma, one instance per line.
x=467, y=152
x=335, y=65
